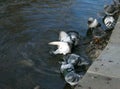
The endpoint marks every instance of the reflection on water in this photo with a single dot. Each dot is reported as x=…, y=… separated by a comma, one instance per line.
x=26, y=28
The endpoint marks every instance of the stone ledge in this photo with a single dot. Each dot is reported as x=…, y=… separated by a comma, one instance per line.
x=104, y=73
x=95, y=81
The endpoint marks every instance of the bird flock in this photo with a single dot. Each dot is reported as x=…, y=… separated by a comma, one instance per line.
x=72, y=63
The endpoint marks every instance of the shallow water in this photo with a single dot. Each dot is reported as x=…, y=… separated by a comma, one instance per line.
x=27, y=27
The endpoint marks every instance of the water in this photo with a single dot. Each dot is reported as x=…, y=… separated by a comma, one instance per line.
x=27, y=27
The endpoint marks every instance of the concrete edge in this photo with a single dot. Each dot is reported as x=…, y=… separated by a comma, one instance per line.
x=106, y=66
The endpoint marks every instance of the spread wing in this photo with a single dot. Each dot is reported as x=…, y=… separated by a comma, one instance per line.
x=58, y=43
x=63, y=35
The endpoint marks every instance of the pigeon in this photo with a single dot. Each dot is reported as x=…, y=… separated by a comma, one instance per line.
x=73, y=78
x=71, y=37
x=75, y=60
x=117, y=4
x=109, y=22
x=66, y=68
x=66, y=42
x=94, y=29
x=75, y=37
x=110, y=9
x=69, y=74
x=92, y=24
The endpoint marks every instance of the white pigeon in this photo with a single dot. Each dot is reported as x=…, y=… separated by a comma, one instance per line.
x=92, y=23
x=71, y=37
x=63, y=47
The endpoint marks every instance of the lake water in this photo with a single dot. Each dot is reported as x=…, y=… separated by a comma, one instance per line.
x=26, y=27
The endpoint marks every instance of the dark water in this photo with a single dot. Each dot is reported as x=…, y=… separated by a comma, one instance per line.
x=26, y=27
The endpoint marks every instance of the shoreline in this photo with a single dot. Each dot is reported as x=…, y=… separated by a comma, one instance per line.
x=104, y=72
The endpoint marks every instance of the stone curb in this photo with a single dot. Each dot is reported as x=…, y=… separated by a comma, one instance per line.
x=104, y=73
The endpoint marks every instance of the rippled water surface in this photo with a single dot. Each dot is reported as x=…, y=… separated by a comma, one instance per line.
x=26, y=27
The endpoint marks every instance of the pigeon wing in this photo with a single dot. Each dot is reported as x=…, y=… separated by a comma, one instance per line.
x=58, y=43
x=63, y=35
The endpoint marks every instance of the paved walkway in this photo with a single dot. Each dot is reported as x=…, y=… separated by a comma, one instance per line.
x=104, y=73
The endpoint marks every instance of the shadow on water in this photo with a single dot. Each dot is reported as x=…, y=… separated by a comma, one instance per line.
x=26, y=28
